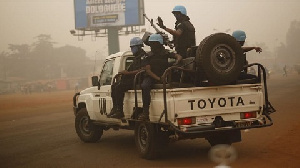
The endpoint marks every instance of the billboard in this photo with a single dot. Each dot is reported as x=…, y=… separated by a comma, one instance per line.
x=94, y=14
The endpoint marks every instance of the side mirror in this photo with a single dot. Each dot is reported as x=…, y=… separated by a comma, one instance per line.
x=95, y=81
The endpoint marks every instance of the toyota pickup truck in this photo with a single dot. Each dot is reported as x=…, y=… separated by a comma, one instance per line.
x=204, y=107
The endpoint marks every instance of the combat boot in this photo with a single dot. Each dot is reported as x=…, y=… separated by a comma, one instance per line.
x=144, y=116
x=118, y=114
x=112, y=112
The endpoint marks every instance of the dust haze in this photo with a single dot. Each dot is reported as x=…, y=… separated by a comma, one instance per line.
x=42, y=65
x=263, y=20
x=272, y=25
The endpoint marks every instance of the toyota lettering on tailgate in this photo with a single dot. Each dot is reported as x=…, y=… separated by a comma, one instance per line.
x=216, y=102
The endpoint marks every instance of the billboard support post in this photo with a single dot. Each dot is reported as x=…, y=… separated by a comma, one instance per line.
x=113, y=40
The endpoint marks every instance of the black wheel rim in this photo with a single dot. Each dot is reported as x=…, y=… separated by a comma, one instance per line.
x=222, y=58
x=84, y=126
x=143, y=137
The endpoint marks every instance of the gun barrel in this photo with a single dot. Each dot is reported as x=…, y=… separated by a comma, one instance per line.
x=151, y=22
x=166, y=39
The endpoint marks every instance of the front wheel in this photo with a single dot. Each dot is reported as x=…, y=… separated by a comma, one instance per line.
x=85, y=129
x=145, y=140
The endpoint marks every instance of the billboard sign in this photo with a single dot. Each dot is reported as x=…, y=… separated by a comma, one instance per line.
x=93, y=14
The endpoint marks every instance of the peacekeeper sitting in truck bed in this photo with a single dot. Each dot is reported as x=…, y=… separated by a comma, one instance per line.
x=119, y=88
x=240, y=37
x=157, y=64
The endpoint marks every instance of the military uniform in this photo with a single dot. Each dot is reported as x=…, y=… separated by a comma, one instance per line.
x=119, y=88
x=187, y=39
x=158, y=63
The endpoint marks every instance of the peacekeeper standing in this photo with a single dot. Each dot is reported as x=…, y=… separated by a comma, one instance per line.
x=157, y=64
x=119, y=88
x=184, y=33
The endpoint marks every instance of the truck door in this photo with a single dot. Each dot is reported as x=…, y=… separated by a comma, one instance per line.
x=104, y=95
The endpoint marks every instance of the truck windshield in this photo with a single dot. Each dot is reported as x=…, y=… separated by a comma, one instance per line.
x=107, y=73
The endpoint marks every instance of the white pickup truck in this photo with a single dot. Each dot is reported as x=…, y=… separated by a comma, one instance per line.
x=179, y=110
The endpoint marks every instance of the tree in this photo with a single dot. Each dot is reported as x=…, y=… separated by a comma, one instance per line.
x=3, y=65
x=293, y=40
x=16, y=60
x=290, y=53
x=42, y=60
x=72, y=60
x=19, y=51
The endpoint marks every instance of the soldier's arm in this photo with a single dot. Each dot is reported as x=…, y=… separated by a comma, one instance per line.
x=247, y=49
x=178, y=59
x=150, y=73
x=125, y=72
x=177, y=32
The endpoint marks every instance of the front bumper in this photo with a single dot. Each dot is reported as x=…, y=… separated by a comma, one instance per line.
x=75, y=108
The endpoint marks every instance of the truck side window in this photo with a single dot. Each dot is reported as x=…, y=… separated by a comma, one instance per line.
x=107, y=73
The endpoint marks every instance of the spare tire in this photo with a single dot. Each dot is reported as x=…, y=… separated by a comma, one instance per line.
x=221, y=59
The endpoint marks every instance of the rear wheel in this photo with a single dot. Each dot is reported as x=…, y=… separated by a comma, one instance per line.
x=85, y=129
x=146, y=140
x=221, y=59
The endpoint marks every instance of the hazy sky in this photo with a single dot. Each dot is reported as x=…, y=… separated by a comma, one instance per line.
x=263, y=20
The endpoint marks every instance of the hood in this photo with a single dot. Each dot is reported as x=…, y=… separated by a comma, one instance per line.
x=89, y=90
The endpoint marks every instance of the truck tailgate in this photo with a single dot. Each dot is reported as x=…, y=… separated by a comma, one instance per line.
x=226, y=101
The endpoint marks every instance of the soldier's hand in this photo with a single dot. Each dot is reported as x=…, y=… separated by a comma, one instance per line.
x=258, y=49
x=160, y=79
x=176, y=63
x=160, y=23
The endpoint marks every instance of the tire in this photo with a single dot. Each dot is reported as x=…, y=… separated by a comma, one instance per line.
x=145, y=140
x=221, y=59
x=85, y=129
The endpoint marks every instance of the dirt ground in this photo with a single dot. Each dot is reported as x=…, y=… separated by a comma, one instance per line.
x=275, y=146
x=22, y=105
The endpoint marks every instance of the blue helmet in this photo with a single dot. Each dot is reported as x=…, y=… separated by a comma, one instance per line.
x=135, y=41
x=156, y=37
x=239, y=35
x=180, y=9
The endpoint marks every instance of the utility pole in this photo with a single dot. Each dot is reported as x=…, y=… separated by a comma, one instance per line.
x=113, y=40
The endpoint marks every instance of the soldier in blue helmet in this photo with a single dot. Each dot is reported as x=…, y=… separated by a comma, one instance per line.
x=157, y=64
x=184, y=33
x=119, y=88
x=240, y=37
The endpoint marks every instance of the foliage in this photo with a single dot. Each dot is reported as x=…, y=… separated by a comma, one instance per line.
x=290, y=53
x=42, y=60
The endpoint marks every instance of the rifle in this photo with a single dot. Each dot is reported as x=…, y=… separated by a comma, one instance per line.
x=167, y=42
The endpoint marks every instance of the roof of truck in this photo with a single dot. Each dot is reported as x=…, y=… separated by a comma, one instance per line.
x=125, y=53
x=119, y=54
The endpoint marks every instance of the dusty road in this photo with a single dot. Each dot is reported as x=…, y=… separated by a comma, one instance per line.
x=37, y=130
